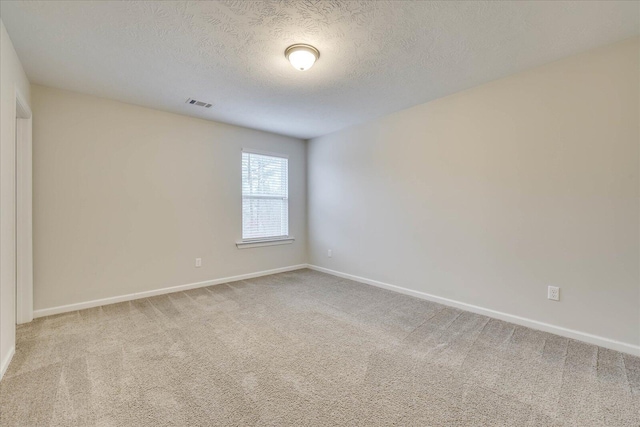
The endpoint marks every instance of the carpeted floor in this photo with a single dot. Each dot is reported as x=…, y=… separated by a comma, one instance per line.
x=307, y=349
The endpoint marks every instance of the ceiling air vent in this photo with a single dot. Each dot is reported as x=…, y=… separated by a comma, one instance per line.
x=198, y=103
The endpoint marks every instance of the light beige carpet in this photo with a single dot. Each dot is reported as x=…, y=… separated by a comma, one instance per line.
x=307, y=349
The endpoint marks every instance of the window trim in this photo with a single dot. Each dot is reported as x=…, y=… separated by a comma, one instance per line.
x=271, y=241
x=265, y=241
x=265, y=153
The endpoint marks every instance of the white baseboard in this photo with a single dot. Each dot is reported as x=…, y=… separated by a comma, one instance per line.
x=533, y=324
x=5, y=363
x=129, y=297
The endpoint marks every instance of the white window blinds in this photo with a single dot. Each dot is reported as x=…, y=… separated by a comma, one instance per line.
x=265, y=196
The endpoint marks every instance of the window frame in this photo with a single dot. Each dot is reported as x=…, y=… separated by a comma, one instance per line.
x=263, y=241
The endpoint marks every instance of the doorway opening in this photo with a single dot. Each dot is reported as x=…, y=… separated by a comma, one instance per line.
x=23, y=212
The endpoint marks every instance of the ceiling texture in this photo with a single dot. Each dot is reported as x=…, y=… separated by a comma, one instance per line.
x=376, y=57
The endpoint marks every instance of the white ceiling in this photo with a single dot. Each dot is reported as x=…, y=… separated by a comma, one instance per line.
x=376, y=57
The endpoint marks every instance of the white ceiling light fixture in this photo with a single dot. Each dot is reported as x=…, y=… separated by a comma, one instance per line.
x=302, y=56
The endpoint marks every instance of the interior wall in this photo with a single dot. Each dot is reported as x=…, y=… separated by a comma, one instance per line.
x=12, y=77
x=490, y=195
x=125, y=198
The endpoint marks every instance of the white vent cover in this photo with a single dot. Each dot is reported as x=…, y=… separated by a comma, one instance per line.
x=198, y=103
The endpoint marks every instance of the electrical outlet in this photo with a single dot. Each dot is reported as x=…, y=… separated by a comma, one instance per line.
x=329, y=253
x=553, y=293
x=198, y=262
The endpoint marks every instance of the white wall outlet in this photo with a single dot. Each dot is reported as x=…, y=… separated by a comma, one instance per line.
x=553, y=293
x=198, y=262
x=329, y=253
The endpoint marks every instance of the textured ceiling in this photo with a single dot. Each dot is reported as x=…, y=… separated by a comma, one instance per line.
x=376, y=56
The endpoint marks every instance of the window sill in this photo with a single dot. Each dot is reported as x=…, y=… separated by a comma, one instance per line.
x=246, y=244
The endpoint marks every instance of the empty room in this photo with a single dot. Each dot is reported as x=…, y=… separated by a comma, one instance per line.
x=320, y=213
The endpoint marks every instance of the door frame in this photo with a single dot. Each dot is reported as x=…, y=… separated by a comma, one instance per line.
x=24, y=210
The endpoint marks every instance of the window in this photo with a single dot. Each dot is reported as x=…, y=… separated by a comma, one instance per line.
x=265, y=196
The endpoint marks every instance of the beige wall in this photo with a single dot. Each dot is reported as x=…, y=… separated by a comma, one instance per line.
x=125, y=198
x=490, y=195
x=12, y=78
